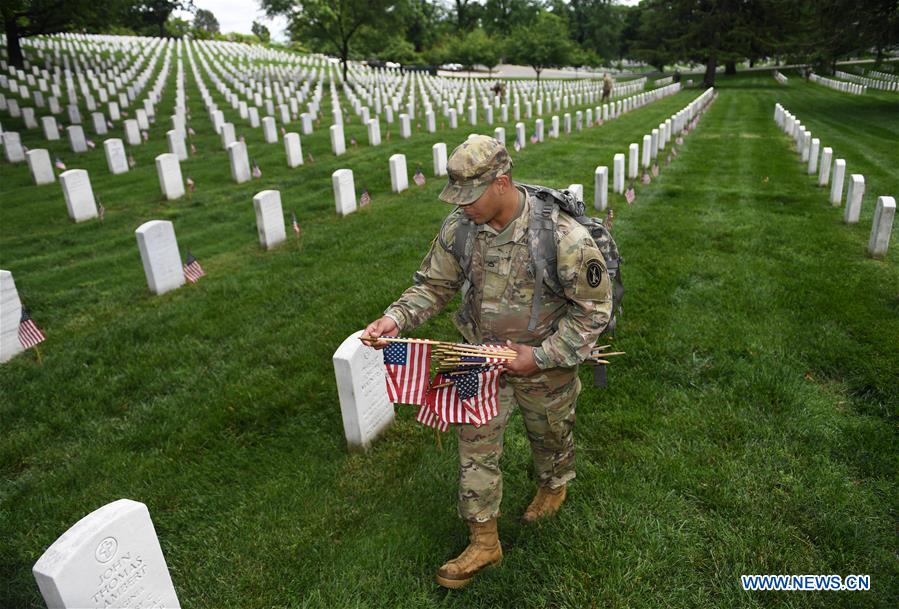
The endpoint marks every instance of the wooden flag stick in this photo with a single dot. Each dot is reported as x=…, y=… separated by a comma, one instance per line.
x=37, y=351
x=439, y=441
x=608, y=354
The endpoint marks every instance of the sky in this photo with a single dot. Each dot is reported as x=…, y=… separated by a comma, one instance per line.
x=239, y=15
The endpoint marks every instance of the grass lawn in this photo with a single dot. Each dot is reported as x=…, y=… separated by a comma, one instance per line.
x=751, y=428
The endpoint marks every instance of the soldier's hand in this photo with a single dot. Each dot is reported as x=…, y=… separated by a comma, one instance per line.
x=524, y=363
x=380, y=327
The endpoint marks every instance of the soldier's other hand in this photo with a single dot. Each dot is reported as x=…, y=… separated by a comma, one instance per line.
x=524, y=363
x=384, y=326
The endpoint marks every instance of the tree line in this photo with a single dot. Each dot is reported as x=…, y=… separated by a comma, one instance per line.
x=539, y=33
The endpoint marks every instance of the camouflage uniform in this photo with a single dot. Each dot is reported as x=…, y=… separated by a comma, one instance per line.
x=606, y=87
x=496, y=305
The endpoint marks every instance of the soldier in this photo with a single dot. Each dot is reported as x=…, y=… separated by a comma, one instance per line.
x=497, y=296
x=606, y=87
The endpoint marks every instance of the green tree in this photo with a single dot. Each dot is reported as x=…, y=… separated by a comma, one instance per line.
x=34, y=17
x=331, y=25
x=541, y=45
x=501, y=16
x=176, y=27
x=155, y=13
x=261, y=32
x=205, y=20
x=475, y=47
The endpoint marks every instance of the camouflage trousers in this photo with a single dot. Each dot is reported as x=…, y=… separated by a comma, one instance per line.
x=547, y=401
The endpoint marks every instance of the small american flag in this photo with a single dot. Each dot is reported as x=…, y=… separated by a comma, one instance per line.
x=471, y=398
x=243, y=139
x=599, y=121
x=90, y=144
x=388, y=136
x=609, y=220
x=668, y=160
x=674, y=152
x=655, y=169
x=131, y=162
x=60, y=165
x=645, y=179
x=257, y=173
x=192, y=269
x=191, y=185
x=353, y=142
x=534, y=139
x=427, y=416
x=311, y=159
x=101, y=211
x=679, y=141
x=193, y=149
x=29, y=334
x=145, y=135
x=294, y=224
x=517, y=146
x=365, y=199
x=630, y=194
x=419, y=177
x=109, y=124
x=190, y=131
x=408, y=367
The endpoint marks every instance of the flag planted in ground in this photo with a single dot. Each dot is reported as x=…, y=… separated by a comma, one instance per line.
x=191, y=185
x=609, y=220
x=655, y=169
x=408, y=366
x=29, y=334
x=256, y=172
x=131, y=161
x=60, y=165
x=646, y=179
x=419, y=177
x=534, y=139
x=311, y=158
x=365, y=199
x=192, y=269
x=294, y=224
x=630, y=194
x=101, y=211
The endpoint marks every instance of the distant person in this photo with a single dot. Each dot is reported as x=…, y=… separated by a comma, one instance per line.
x=606, y=87
x=676, y=77
x=499, y=88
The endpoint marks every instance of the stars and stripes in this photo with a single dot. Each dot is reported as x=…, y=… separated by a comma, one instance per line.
x=419, y=177
x=191, y=185
x=29, y=334
x=131, y=161
x=534, y=139
x=294, y=224
x=145, y=136
x=353, y=142
x=655, y=169
x=471, y=398
x=609, y=220
x=101, y=211
x=646, y=179
x=190, y=131
x=311, y=158
x=408, y=368
x=193, y=149
x=517, y=146
x=59, y=164
x=365, y=199
x=192, y=269
x=630, y=194
x=256, y=172
x=90, y=144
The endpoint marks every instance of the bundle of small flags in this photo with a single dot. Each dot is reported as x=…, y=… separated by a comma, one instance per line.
x=419, y=177
x=60, y=165
x=365, y=199
x=256, y=172
x=630, y=194
x=294, y=224
x=192, y=269
x=29, y=334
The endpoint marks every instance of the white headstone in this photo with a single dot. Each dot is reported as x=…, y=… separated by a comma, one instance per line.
x=177, y=146
x=132, y=132
x=520, y=135
x=226, y=131
x=836, y=186
x=438, y=151
x=882, y=226
x=338, y=144
x=647, y=151
x=99, y=121
x=399, y=175
x=76, y=138
x=344, y=191
x=618, y=174
x=51, y=129
x=170, y=181
x=362, y=388
x=854, y=198
x=405, y=126
x=269, y=130
x=294, y=149
x=601, y=185
x=111, y=558
x=240, y=163
x=269, y=218
x=824, y=169
x=500, y=135
x=160, y=256
x=539, y=129
x=10, y=316
x=632, y=167
x=813, y=150
x=374, y=131
x=40, y=166
x=115, y=156
x=306, y=123
x=76, y=188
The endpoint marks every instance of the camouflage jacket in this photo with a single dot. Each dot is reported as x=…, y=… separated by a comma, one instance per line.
x=498, y=292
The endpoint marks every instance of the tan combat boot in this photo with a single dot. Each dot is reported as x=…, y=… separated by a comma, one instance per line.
x=545, y=504
x=483, y=550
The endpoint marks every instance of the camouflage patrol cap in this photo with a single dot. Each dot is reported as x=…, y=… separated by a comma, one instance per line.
x=472, y=167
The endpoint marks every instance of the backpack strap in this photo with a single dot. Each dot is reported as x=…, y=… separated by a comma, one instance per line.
x=541, y=238
x=463, y=247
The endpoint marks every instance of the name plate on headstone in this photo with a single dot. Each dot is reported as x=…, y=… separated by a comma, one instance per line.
x=362, y=389
x=111, y=558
